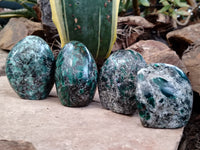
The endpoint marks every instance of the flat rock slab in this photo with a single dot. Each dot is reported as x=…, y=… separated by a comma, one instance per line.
x=50, y=126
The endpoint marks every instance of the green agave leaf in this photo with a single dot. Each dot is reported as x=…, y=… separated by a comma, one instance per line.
x=145, y=3
x=93, y=23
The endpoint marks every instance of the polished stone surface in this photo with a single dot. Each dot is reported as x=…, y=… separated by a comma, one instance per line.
x=117, y=81
x=76, y=75
x=164, y=96
x=30, y=68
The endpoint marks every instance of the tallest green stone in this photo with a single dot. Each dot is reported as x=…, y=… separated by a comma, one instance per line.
x=76, y=75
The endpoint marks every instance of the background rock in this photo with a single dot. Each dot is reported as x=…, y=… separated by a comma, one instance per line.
x=46, y=12
x=162, y=23
x=49, y=28
x=157, y=52
x=191, y=59
x=129, y=29
x=135, y=21
x=16, y=145
x=181, y=39
x=16, y=30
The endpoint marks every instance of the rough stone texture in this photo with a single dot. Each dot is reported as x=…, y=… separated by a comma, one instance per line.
x=157, y=52
x=190, y=34
x=180, y=39
x=164, y=96
x=117, y=81
x=46, y=12
x=16, y=145
x=16, y=30
x=129, y=29
x=30, y=68
x=48, y=25
x=135, y=21
x=50, y=126
x=3, y=56
x=76, y=75
x=191, y=59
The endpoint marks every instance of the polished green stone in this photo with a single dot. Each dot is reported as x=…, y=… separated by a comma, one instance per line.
x=117, y=81
x=164, y=96
x=75, y=75
x=30, y=68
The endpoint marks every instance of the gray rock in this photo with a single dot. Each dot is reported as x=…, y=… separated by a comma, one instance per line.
x=164, y=96
x=48, y=25
x=46, y=11
x=117, y=81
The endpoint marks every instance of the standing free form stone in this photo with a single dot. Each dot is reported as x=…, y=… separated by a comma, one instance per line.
x=117, y=81
x=30, y=68
x=164, y=96
x=76, y=75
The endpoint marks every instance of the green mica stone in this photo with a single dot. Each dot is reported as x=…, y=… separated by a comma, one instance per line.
x=117, y=81
x=75, y=75
x=30, y=68
x=164, y=96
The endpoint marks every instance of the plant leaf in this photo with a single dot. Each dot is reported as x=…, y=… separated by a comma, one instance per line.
x=21, y=1
x=164, y=2
x=174, y=15
x=181, y=4
x=16, y=13
x=182, y=13
x=145, y=3
x=93, y=24
x=164, y=9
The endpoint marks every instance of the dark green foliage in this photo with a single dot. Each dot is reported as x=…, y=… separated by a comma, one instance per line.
x=21, y=8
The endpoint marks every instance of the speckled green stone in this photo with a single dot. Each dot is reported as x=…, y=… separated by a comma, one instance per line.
x=76, y=75
x=117, y=81
x=30, y=68
x=164, y=96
